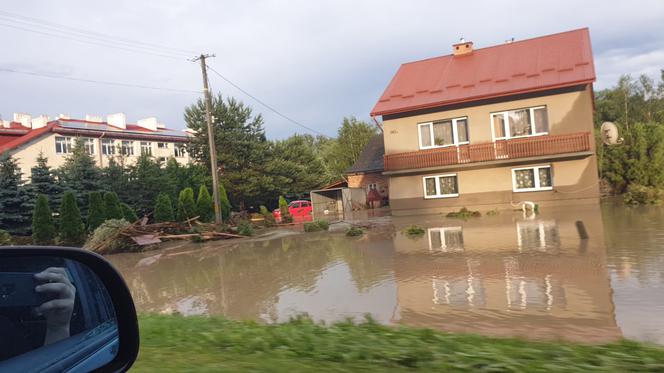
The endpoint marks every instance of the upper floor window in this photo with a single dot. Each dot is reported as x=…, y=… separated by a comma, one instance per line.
x=443, y=133
x=107, y=147
x=521, y=122
x=441, y=186
x=127, y=147
x=179, y=151
x=146, y=147
x=162, y=145
x=530, y=179
x=89, y=145
x=62, y=145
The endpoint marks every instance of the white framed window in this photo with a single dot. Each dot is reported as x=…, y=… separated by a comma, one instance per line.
x=146, y=147
x=89, y=145
x=372, y=186
x=62, y=145
x=525, y=122
x=442, y=133
x=162, y=145
x=127, y=147
x=179, y=151
x=532, y=179
x=446, y=239
x=107, y=147
x=440, y=186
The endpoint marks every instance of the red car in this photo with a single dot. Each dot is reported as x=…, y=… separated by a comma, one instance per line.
x=299, y=210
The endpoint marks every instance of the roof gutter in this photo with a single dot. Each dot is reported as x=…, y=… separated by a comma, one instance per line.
x=377, y=123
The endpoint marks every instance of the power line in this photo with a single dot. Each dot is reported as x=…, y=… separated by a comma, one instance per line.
x=266, y=105
x=93, y=42
x=87, y=33
x=119, y=84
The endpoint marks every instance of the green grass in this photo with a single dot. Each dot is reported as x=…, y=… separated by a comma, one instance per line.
x=204, y=344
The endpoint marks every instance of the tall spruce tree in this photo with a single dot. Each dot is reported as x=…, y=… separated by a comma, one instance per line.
x=147, y=180
x=15, y=201
x=112, y=206
x=43, y=181
x=72, y=229
x=204, y=205
x=163, y=209
x=43, y=228
x=96, y=211
x=80, y=174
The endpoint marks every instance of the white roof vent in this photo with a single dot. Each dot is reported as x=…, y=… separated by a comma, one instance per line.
x=117, y=120
x=148, y=123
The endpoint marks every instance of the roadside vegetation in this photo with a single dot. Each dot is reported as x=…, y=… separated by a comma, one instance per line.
x=175, y=343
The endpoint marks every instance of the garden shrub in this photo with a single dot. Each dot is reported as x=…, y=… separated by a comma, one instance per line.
x=128, y=213
x=5, y=238
x=316, y=226
x=112, y=206
x=204, y=205
x=186, y=205
x=643, y=195
x=43, y=228
x=119, y=243
x=163, y=209
x=354, y=232
x=267, y=216
x=245, y=228
x=96, y=212
x=72, y=229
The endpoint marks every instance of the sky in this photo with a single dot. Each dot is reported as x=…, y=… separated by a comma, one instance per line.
x=313, y=61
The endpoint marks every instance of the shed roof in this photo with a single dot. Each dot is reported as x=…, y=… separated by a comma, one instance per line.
x=371, y=158
x=538, y=64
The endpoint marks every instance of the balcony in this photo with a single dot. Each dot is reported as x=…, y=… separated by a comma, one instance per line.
x=500, y=150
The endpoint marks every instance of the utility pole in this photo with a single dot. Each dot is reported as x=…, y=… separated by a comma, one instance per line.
x=213, y=148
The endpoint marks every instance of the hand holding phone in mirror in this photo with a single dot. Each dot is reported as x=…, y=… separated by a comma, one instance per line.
x=57, y=310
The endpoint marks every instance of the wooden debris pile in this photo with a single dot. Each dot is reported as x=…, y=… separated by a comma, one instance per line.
x=142, y=233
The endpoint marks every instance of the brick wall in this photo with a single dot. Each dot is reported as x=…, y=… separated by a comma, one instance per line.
x=363, y=180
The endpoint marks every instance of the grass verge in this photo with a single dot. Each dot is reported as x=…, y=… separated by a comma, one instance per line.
x=205, y=344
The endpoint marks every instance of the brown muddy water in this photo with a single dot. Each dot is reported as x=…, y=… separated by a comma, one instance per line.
x=503, y=275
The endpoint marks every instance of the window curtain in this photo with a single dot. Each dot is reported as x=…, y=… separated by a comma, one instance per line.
x=442, y=133
x=448, y=185
x=525, y=179
x=519, y=121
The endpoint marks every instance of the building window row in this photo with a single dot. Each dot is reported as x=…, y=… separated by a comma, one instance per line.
x=64, y=145
x=525, y=179
x=532, y=121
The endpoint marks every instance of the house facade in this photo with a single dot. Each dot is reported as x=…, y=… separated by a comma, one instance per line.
x=25, y=137
x=492, y=127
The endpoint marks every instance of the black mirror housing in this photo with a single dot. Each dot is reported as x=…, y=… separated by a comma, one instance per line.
x=117, y=290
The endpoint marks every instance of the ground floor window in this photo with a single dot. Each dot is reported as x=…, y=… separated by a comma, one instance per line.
x=529, y=179
x=441, y=186
x=62, y=145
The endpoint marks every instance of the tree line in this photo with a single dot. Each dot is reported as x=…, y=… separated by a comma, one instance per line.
x=634, y=168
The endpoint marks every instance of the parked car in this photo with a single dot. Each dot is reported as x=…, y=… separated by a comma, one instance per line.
x=299, y=210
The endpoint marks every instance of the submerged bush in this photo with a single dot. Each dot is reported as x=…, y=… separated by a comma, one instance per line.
x=464, y=213
x=107, y=236
x=643, y=195
x=317, y=226
x=493, y=212
x=245, y=228
x=413, y=230
x=354, y=232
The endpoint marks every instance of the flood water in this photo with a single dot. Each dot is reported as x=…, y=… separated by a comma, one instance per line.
x=505, y=275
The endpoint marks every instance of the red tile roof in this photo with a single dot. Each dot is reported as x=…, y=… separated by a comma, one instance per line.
x=33, y=134
x=547, y=62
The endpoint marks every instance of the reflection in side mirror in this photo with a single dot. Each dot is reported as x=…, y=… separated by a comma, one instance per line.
x=57, y=314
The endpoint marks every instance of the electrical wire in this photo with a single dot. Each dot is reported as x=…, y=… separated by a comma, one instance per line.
x=264, y=104
x=41, y=23
x=93, y=42
x=119, y=84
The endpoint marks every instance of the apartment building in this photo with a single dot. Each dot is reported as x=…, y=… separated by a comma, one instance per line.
x=492, y=127
x=25, y=137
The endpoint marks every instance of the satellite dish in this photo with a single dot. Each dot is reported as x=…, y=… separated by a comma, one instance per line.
x=610, y=134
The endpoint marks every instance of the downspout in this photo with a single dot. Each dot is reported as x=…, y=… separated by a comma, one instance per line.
x=101, y=156
x=377, y=123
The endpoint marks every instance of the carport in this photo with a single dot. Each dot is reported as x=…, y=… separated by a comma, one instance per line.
x=337, y=203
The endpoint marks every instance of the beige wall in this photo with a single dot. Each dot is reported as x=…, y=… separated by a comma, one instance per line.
x=26, y=154
x=567, y=112
x=490, y=188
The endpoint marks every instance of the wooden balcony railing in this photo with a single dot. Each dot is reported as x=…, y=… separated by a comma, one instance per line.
x=499, y=150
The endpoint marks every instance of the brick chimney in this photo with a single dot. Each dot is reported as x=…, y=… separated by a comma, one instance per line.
x=462, y=48
x=40, y=121
x=148, y=123
x=24, y=119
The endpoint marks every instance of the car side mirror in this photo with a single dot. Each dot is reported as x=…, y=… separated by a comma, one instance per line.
x=64, y=309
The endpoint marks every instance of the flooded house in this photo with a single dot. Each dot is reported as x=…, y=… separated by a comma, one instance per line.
x=492, y=127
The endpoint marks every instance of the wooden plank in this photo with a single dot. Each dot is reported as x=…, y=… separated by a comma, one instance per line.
x=146, y=239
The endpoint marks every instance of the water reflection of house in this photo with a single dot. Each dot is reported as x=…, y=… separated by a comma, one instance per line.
x=508, y=276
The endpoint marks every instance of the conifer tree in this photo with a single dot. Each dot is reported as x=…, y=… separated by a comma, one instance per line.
x=43, y=181
x=204, y=205
x=96, y=211
x=225, y=203
x=128, y=213
x=163, y=209
x=72, y=229
x=186, y=204
x=112, y=206
x=43, y=229
x=80, y=174
x=15, y=201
